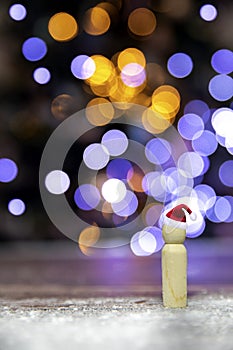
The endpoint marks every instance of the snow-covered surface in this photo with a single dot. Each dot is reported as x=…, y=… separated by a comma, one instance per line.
x=117, y=323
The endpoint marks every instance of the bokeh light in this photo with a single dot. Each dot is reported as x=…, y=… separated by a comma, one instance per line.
x=8, y=170
x=96, y=156
x=135, y=247
x=158, y=188
x=34, y=49
x=198, y=107
x=166, y=101
x=221, y=87
x=142, y=21
x=127, y=206
x=204, y=143
x=87, y=196
x=226, y=173
x=206, y=197
x=83, y=67
x=177, y=181
x=147, y=241
x=230, y=200
x=208, y=12
x=180, y=65
x=88, y=238
x=57, y=182
x=96, y=21
x=189, y=124
x=16, y=207
x=102, y=114
x=222, y=209
x=104, y=70
x=114, y=190
x=222, y=122
x=154, y=184
x=133, y=75
x=118, y=168
x=62, y=26
x=222, y=61
x=158, y=151
x=115, y=141
x=134, y=177
x=63, y=106
x=17, y=12
x=129, y=56
x=154, y=122
x=192, y=163
x=41, y=75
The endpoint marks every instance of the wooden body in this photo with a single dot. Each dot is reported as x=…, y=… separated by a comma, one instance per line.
x=174, y=268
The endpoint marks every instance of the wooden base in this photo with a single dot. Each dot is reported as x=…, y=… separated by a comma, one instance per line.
x=174, y=275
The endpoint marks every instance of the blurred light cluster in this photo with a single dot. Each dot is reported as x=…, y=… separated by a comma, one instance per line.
x=221, y=86
x=17, y=12
x=120, y=189
x=8, y=173
x=208, y=12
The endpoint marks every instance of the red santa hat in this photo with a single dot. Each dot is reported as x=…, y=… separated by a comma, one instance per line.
x=176, y=217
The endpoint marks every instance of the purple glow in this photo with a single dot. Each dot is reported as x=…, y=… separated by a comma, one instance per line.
x=158, y=151
x=127, y=206
x=154, y=184
x=8, y=170
x=157, y=233
x=221, y=87
x=226, y=173
x=118, y=168
x=176, y=179
x=208, y=12
x=192, y=163
x=180, y=65
x=96, y=156
x=206, y=197
x=135, y=246
x=115, y=141
x=230, y=150
x=83, y=67
x=147, y=181
x=41, y=75
x=158, y=188
x=205, y=143
x=87, y=197
x=210, y=214
x=222, y=209
x=230, y=200
x=206, y=165
x=34, y=49
x=133, y=75
x=17, y=12
x=222, y=61
x=221, y=140
x=198, y=107
x=189, y=125
x=16, y=207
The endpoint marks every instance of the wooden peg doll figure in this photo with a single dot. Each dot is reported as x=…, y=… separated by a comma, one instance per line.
x=174, y=257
